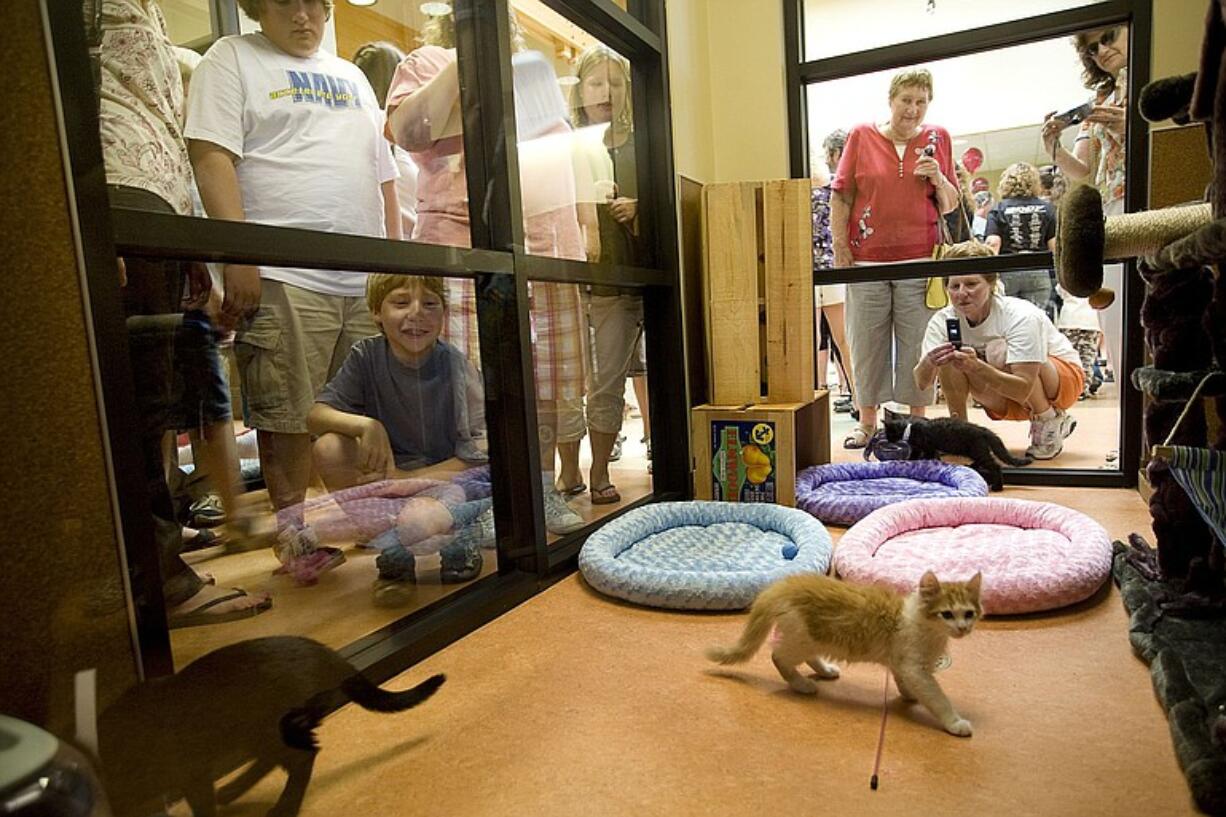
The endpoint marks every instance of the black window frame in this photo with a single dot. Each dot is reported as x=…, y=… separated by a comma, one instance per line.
x=527, y=563
x=1138, y=15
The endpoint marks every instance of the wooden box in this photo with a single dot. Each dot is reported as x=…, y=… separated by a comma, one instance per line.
x=758, y=291
x=753, y=453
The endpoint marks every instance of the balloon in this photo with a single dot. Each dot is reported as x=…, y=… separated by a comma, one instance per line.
x=972, y=159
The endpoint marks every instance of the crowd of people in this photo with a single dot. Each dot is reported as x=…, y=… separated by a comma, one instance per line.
x=891, y=191
x=350, y=376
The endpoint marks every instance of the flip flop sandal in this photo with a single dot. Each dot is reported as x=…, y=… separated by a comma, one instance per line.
x=574, y=490
x=858, y=438
x=607, y=495
x=204, y=538
x=199, y=616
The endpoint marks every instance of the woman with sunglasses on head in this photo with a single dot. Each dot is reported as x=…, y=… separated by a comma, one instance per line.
x=1099, y=151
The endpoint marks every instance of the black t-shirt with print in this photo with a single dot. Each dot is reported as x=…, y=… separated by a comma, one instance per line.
x=1023, y=224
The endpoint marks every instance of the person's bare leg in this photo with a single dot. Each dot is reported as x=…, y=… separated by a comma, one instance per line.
x=838, y=334
x=640, y=394
x=823, y=368
x=219, y=456
x=569, y=475
x=285, y=460
x=868, y=416
x=918, y=411
x=602, y=447
x=336, y=461
x=956, y=387
x=991, y=400
x=1046, y=387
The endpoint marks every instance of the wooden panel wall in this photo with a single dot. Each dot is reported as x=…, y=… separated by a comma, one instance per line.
x=62, y=598
x=358, y=25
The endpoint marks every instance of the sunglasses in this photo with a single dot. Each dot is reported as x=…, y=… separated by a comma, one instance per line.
x=1107, y=38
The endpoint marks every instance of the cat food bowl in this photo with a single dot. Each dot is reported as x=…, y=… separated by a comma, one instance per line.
x=1034, y=556
x=845, y=493
x=702, y=555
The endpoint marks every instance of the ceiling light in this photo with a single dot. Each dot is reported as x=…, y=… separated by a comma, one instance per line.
x=362, y=2
x=568, y=80
x=435, y=9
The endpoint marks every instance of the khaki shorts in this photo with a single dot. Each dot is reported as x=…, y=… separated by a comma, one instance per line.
x=1072, y=382
x=290, y=348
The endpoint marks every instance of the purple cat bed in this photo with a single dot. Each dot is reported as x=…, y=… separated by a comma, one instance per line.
x=475, y=482
x=845, y=493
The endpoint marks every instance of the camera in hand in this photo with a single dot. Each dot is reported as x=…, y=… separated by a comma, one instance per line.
x=1076, y=115
x=953, y=330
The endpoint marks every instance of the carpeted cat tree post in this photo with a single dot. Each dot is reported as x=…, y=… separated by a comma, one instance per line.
x=1176, y=597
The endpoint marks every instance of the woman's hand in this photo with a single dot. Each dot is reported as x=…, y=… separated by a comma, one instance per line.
x=374, y=448
x=1112, y=117
x=842, y=255
x=1052, y=128
x=964, y=360
x=624, y=210
x=927, y=167
x=941, y=355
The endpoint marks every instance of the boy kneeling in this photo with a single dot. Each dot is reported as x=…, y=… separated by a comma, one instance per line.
x=403, y=400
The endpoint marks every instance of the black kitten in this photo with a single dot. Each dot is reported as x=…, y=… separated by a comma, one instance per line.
x=256, y=702
x=946, y=435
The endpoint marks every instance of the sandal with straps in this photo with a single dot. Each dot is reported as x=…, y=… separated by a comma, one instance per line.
x=858, y=438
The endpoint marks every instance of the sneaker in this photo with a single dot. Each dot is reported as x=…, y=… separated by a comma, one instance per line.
x=206, y=512
x=616, y=453
x=1047, y=436
x=559, y=517
x=302, y=557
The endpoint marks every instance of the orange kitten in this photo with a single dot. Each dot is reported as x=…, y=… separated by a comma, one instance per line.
x=820, y=618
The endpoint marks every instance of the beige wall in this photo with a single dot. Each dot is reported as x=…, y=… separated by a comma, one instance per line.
x=741, y=81
x=689, y=77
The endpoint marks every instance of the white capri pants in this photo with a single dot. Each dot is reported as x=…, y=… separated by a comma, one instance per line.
x=886, y=321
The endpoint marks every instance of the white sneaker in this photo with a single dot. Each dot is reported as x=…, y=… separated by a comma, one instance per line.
x=559, y=517
x=1047, y=436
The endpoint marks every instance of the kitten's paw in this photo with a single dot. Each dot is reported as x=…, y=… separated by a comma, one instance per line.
x=825, y=671
x=960, y=727
x=803, y=685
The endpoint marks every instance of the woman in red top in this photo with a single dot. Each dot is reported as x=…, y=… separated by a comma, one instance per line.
x=892, y=185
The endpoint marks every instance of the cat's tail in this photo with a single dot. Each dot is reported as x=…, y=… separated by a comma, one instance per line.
x=370, y=696
x=761, y=619
x=1002, y=453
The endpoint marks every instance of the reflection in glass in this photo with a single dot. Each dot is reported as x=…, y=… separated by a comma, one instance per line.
x=833, y=29
x=1011, y=347
x=609, y=406
x=187, y=21
x=378, y=505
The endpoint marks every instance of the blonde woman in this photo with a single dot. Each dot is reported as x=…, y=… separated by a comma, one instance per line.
x=1022, y=223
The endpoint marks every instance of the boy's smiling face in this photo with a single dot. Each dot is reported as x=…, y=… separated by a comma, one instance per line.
x=411, y=317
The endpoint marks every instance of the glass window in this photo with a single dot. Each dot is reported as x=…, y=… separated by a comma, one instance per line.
x=591, y=384
x=327, y=458
x=187, y=21
x=836, y=27
x=577, y=147
x=1076, y=377
x=993, y=131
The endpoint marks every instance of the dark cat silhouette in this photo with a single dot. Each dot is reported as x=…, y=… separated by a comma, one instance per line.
x=256, y=702
x=946, y=435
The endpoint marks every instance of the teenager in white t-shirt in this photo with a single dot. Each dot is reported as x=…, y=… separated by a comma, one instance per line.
x=1011, y=359
x=284, y=133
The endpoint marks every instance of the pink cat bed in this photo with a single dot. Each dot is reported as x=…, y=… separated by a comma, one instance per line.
x=1033, y=555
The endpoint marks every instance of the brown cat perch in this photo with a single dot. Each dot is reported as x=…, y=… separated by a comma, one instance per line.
x=1175, y=594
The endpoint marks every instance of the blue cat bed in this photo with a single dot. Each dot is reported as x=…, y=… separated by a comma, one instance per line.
x=702, y=555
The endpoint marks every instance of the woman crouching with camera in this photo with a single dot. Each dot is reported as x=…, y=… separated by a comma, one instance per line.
x=1006, y=353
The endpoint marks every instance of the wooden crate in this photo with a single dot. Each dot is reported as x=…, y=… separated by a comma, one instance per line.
x=792, y=436
x=758, y=291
